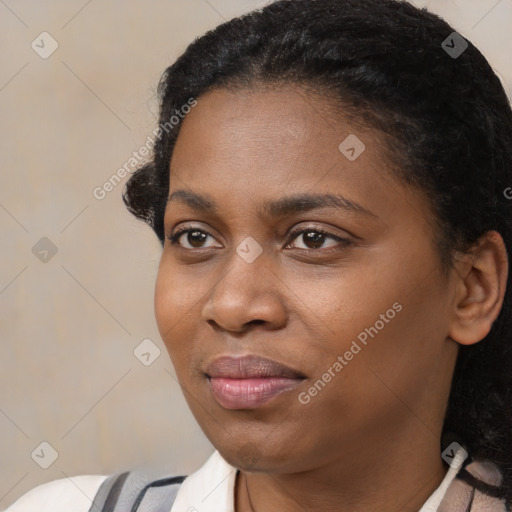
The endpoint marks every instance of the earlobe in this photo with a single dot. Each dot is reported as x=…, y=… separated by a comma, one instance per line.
x=481, y=280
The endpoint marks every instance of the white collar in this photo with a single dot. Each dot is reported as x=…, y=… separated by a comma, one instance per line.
x=212, y=488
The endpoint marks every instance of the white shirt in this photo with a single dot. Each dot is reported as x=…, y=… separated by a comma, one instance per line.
x=209, y=489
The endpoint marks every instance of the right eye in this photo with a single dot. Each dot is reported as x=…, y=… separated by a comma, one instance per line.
x=194, y=236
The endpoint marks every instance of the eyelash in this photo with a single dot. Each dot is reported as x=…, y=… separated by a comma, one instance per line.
x=344, y=242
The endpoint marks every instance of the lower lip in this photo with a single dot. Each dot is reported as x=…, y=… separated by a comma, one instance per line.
x=249, y=393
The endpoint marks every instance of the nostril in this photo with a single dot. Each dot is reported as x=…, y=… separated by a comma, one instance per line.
x=256, y=322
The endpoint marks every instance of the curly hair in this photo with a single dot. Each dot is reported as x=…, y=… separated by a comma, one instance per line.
x=447, y=124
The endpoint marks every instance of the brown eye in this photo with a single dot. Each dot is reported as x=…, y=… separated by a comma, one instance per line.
x=314, y=238
x=195, y=238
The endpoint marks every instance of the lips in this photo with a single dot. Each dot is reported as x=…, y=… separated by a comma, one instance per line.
x=249, y=381
x=250, y=366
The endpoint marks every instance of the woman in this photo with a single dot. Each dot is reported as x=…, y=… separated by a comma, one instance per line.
x=331, y=187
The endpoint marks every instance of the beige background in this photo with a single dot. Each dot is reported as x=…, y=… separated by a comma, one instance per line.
x=69, y=326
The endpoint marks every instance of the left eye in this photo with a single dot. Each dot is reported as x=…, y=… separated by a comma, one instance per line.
x=315, y=237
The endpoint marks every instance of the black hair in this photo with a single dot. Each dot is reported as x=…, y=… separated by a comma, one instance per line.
x=448, y=126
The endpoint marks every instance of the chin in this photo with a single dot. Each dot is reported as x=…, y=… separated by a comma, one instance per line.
x=250, y=457
x=247, y=458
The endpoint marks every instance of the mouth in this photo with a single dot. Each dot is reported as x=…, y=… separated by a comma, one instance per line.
x=249, y=381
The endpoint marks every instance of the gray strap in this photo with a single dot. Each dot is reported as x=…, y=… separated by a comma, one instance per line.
x=139, y=490
x=109, y=491
x=158, y=496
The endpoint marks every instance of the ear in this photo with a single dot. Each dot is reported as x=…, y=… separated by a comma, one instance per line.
x=480, y=286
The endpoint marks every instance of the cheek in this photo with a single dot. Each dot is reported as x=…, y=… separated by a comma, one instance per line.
x=177, y=303
x=163, y=303
x=172, y=330
x=377, y=317
x=171, y=307
x=344, y=303
x=175, y=296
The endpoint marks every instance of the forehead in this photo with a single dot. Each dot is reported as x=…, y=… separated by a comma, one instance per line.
x=279, y=135
x=285, y=113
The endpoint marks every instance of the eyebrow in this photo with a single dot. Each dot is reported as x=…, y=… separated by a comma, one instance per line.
x=274, y=208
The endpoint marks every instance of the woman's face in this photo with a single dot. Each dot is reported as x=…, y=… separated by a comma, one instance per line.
x=355, y=307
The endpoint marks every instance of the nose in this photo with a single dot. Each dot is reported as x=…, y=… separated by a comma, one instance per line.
x=246, y=294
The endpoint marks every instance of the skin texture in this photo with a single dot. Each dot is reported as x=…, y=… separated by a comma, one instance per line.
x=303, y=304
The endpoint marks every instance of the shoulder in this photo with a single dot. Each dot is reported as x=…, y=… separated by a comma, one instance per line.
x=73, y=494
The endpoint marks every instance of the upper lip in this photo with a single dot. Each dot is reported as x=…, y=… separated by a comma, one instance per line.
x=249, y=366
